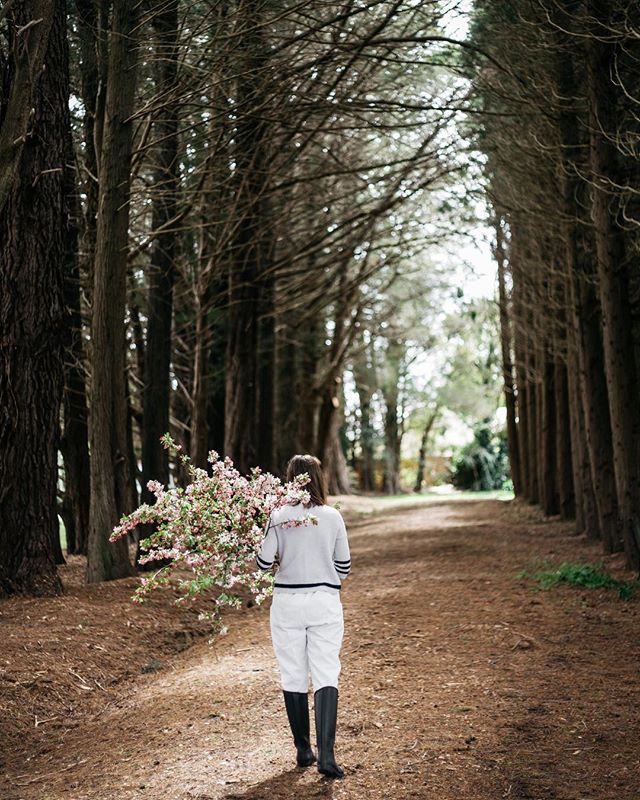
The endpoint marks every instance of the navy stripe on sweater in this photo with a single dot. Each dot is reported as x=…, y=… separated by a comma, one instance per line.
x=304, y=585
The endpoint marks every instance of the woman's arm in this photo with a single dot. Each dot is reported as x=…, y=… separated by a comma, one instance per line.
x=269, y=548
x=341, y=554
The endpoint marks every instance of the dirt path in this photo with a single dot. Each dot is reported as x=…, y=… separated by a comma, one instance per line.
x=459, y=681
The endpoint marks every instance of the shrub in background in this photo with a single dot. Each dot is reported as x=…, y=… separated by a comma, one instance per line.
x=482, y=464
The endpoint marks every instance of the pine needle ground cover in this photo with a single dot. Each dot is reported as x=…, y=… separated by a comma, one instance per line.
x=458, y=682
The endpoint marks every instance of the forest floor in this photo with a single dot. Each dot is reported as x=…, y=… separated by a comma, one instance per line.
x=461, y=681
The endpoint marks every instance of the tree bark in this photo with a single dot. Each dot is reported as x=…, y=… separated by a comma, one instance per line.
x=288, y=353
x=333, y=459
x=331, y=399
x=564, y=471
x=110, y=469
x=92, y=19
x=181, y=406
x=580, y=371
x=199, y=418
x=74, y=443
x=394, y=356
x=364, y=373
x=586, y=511
x=613, y=286
x=157, y=361
x=250, y=242
x=266, y=374
x=33, y=220
x=507, y=363
x=215, y=400
x=29, y=35
x=532, y=424
x=519, y=346
x=422, y=456
x=586, y=320
x=309, y=400
x=209, y=293
x=548, y=459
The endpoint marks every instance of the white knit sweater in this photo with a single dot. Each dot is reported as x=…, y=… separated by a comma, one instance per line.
x=311, y=557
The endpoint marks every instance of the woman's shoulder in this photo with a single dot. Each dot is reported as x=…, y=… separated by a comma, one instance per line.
x=327, y=512
x=290, y=510
x=297, y=509
x=286, y=512
x=328, y=509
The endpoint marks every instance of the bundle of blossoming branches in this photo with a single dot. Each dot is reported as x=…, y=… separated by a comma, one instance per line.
x=214, y=527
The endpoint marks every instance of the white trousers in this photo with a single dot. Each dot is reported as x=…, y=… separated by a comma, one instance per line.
x=306, y=631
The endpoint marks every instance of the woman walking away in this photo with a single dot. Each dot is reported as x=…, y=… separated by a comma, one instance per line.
x=306, y=611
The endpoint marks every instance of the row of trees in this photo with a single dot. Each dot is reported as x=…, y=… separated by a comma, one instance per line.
x=203, y=213
x=558, y=86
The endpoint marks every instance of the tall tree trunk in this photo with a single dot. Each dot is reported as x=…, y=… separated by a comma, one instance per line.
x=533, y=389
x=507, y=363
x=595, y=403
x=288, y=398
x=422, y=456
x=181, y=406
x=110, y=471
x=613, y=285
x=333, y=459
x=308, y=400
x=328, y=444
x=519, y=347
x=92, y=19
x=367, y=434
x=33, y=220
x=548, y=459
x=215, y=404
x=156, y=392
x=565, y=492
x=329, y=420
x=564, y=471
x=266, y=395
x=528, y=368
x=131, y=499
x=364, y=374
x=74, y=443
x=586, y=515
x=209, y=297
x=336, y=463
x=199, y=418
x=250, y=241
x=394, y=357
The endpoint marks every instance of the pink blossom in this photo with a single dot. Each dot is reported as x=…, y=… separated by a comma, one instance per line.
x=213, y=528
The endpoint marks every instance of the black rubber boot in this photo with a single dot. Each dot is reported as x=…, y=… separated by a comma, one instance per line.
x=297, y=705
x=326, y=710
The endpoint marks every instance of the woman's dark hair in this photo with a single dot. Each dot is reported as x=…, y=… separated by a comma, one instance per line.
x=317, y=486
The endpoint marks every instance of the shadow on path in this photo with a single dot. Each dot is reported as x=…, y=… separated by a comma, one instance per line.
x=287, y=785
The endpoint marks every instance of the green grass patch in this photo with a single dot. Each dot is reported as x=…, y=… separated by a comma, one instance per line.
x=589, y=576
